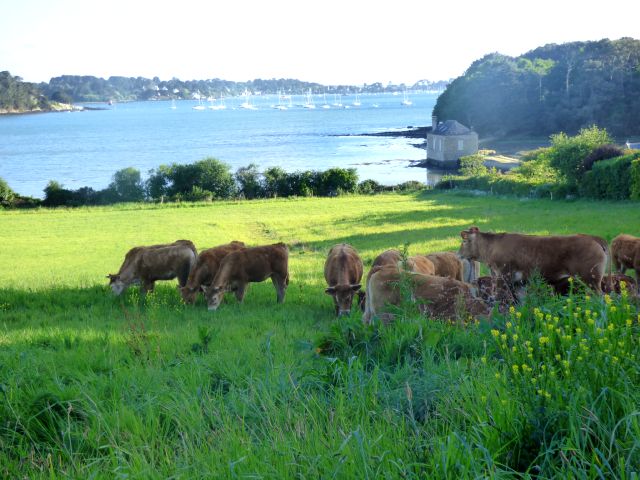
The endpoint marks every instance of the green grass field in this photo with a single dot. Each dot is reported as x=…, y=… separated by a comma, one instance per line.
x=93, y=386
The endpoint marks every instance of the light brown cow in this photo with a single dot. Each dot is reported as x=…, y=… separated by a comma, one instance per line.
x=418, y=264
x=625, y=253
x=513, y=257
x=438, y=297
x=206, y=268
x=388, y=257
x=447, y=264
x=343, y=272
x=146, y=265
x=248, y=265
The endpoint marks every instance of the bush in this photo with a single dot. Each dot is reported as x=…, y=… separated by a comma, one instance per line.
x=410, y=186
x=634, y=173
x=609, y=179
x=337, y=180
x=250, y=185
x=602, y=152
x=472, y=166
x=55, y=195
x=6, y=194
x=157, y=185
x=568, y=154
x=368, y=187
x=214, y=176
x=127, y=184
x=276, y=182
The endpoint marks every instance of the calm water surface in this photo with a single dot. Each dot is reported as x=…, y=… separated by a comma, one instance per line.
x=86, y=148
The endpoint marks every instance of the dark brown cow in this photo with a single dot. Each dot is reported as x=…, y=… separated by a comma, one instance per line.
x=625, y=253
x=447, y=264
x=438, y=297
x=146, y=265
x=513, y=257
x=343, y=272
x=248, y=265
x=206, y=268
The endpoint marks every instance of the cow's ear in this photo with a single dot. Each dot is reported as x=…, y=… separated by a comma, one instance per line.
x=464, y=234
x=474, y=230
x=356, y=287
x=330, y=291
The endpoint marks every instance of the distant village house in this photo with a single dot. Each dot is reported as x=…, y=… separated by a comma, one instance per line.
x=632, y=146
x=448, y=141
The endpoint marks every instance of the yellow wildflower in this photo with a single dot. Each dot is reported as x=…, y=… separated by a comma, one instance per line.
x=512, y=309
x=543, y=340
x=497, y=375
x=518, y=315
x=515, y=368
x=629, y=322
x=509, y=325
x=495, y=332
x=483, y=359
x=515, y=337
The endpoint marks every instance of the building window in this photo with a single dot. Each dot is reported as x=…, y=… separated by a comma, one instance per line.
x=460, y=145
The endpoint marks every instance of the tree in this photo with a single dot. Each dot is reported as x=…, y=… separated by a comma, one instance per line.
x=128, y=185
x=248, y=179
x=6, y=194
x=215, y=176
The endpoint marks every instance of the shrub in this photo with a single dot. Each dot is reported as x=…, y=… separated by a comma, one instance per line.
x=609, y=179
x=6, y=194
x=248, y=179
x=337, y=180
x=472, y=166
x=55, y=195
x=214, y=176
x=128, y=185
x=198, y=194
x=634, y=173
x=157, y=185
x=276, y=182
x=568, y=154
x=602, y=152
x=368, y=187
x=411, y=185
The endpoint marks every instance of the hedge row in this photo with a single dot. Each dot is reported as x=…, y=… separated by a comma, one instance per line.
x=609, y=179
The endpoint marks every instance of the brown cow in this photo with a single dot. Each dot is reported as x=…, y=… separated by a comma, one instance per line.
x=513, y=257
x=343, y=272
x=241, y=267
x=625, y=253
x=206, y=268
x=388, y=257
x=418, y=264
x=439, y=297
x=447, y=264
x=145, y=265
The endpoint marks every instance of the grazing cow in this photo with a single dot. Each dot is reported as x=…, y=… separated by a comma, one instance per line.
x=343, y=272
x=388, y=257
x=241, y=267
x=206, y=268
x=625, y=253
x=447, y=264
x=439, y=297
x=418, y=264
x=145, y=265
x=513, y=257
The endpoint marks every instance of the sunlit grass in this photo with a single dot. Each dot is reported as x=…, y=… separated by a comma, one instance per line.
x=92, y=385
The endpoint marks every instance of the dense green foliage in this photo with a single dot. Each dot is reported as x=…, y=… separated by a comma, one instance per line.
x=6, y=193
x=634, y=172
x=552, y=88
x=93, y=386
x=18, y=96
x=609, y=179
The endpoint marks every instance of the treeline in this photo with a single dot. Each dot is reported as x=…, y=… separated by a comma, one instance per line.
x=586, y=165
x=552, y=88
x=206, y=180
x=88, y=89
x=19, y=96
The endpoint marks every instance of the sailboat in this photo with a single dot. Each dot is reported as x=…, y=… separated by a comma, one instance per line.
x=325, y=105
x=246, y=104
x=309, y=103
x=356, y=102
x=336, y=101
x=199, y=106
x=406, y=102
x=280, y=105
x=173, y=104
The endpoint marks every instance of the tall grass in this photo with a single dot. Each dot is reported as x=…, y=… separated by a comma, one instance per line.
x=97, y=386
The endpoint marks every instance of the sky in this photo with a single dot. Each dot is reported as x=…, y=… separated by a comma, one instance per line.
x=330, y=41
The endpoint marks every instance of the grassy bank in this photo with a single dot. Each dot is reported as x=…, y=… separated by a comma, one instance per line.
x=94, y=386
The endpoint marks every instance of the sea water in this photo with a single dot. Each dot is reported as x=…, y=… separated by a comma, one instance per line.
x=86, y=148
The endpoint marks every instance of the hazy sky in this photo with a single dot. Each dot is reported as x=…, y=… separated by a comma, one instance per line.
x=330, y=41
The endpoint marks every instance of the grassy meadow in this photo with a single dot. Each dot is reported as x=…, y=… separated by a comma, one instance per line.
x=94, y=386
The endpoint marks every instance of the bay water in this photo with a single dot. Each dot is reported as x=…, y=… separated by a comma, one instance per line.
x=86, y=148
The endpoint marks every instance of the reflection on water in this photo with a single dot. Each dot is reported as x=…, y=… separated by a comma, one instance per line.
x=432, y=176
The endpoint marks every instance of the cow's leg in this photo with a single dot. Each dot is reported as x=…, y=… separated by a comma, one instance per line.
x=240, y=291
x=280, y=283
x=183, y=276
x=147, y=286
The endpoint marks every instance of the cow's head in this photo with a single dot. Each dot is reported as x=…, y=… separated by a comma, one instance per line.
x=188, y=294
x=343, y=297
x=116, y=283
x=469, y=247
x=213, y=295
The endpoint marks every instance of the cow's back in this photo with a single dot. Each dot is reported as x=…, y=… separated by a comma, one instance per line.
x=253, y=264
x=625, y=250
x=447, y=264
x=343, y=265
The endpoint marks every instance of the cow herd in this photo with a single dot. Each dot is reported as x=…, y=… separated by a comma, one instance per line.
x=442, y=285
